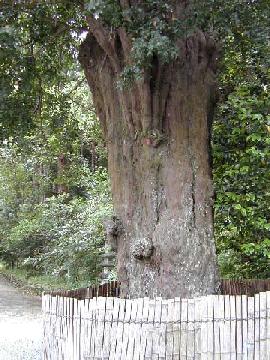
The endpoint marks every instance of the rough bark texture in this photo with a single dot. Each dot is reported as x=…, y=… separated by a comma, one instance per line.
x=157, y=133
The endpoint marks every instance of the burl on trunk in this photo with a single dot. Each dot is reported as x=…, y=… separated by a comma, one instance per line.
x=158, y=133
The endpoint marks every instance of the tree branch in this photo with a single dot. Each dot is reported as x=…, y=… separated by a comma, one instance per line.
x=103, y=38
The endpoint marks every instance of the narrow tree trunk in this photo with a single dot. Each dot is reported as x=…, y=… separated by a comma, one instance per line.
x=157, y=134
x=61, y=167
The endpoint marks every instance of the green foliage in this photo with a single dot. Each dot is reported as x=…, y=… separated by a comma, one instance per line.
x=53, y=183
x=155, y=26
x=109, y=10
x=62, y=235
x=241, y=139
x=38, y=48
x=73, y=235
x=42, y=230
x=241, y=175
x=152, y=28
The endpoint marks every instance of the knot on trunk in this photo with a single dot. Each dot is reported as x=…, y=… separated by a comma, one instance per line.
x=153, y=138
x=142, y=249
x=114, y=229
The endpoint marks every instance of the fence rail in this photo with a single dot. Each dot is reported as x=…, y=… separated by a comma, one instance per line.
x=113, y=289
x=212, y=327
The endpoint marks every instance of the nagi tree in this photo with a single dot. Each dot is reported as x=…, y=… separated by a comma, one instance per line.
x=152, y=75
x=152, y=69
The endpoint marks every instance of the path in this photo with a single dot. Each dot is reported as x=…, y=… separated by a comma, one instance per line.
x=20, y=324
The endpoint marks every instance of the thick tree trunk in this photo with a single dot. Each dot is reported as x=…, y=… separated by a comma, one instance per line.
x=157, y=133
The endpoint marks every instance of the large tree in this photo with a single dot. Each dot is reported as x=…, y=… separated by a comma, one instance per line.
x=152, y=75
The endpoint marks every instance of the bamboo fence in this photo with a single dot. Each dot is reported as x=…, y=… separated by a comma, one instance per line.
x=223, y=327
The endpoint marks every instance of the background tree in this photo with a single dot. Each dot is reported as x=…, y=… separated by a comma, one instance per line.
x=53, y=181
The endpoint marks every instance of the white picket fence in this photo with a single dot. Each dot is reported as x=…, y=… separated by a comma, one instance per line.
x=211, y=327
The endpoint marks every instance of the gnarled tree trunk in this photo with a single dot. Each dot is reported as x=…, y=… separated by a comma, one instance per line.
x=157, y=133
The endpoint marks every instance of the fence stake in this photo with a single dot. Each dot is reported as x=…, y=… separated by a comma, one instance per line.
x=217, y=318
x=268, y=323
x=257, y=326
x=227, y=329
x=170, y=331
x=184, y=318
x=108, y=327
x=144, y=327
x=126, y=330
x=138, y=333
x=156, y=334
x=133, y=328
x=263, y=324
x=116, y=306
x=150, y=330
x=191, y=329
x=239, y=335
x=233, y=327
x=250, y=328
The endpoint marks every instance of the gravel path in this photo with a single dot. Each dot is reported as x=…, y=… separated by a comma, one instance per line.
x=20, y=324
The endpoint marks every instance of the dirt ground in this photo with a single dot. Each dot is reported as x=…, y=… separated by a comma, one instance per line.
x=20, y=324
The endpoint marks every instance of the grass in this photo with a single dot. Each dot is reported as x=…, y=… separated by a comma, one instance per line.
x=35, y=283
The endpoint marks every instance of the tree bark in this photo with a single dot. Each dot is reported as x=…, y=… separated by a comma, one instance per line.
x=158, y=135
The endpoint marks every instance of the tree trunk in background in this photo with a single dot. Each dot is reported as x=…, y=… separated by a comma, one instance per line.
x=157, y=133
x=61, y=188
